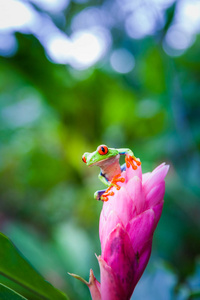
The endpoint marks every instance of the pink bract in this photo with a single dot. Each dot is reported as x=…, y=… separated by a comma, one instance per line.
x=127, y=223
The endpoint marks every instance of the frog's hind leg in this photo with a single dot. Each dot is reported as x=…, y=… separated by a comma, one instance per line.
x=98, y=194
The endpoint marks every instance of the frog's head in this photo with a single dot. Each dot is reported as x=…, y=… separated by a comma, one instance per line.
x=102, y=153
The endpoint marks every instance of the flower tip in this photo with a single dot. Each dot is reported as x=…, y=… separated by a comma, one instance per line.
x=97, y=256
x=162, y=170
x=166, y=168
x=93, y=280
x=164, y=165
x=103, y=264
x=100, y=259
x=94, y=287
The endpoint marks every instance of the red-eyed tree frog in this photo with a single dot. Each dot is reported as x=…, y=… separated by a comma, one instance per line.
x=108, y=161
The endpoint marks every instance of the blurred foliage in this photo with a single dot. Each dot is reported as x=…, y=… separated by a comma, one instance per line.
x=7, y=293
x=15, y=270
x=51, y=114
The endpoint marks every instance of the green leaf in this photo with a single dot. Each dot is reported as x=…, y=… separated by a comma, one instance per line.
x=15, y=267
x=7, y=294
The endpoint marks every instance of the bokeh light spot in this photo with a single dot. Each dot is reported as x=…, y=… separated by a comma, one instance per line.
x=15, y=15
x=59, y=48
x=8, y=45
x=21, y=113
x=122, y=61
x=88, y=47
x=140, y=23
x=177, y=38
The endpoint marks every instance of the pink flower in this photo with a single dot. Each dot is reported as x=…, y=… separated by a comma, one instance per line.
x=127, y=223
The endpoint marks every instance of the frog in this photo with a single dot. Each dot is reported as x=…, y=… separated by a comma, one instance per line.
x=110, y=169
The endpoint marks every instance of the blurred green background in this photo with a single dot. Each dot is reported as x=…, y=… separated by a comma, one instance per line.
x=76, y=74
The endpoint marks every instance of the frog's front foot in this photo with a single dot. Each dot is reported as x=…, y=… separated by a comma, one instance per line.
x=132, y=161
x=98, y=195
x=107, y=193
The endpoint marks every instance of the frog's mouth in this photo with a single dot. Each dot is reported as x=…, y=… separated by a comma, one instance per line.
x=99, y=163
x=105, y=162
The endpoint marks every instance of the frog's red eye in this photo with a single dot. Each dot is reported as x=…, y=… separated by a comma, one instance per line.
x=84, y=159
x=102, y=149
